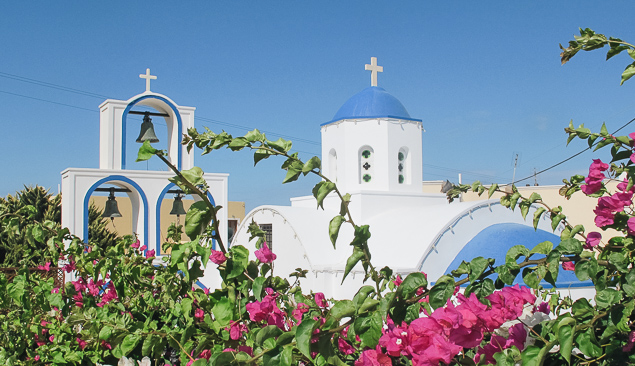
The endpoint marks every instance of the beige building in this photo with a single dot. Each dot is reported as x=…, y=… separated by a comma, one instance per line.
x=578, y=209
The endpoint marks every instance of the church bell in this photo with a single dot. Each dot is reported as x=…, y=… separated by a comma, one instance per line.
x=177, y=206
x=147, y=130
x=111, y=210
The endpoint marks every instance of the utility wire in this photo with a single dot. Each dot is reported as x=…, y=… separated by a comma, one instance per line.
x=569, y=158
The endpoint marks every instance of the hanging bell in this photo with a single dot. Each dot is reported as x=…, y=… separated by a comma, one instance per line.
x=111, y=210
x=177, y=206
x=147, y=130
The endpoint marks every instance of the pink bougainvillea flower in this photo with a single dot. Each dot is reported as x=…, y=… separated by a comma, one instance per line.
x=594, y=179
x=568, y=266
x=593, y=239
x=206, y=354
x=266, y=310
x=397, y=281
x=199, y=314
x=45, y=267
x=544, y=307
x=345, y=347
x=150, y=253
x=79, y=300
x=136, y=244
x=70, y=267
x=105, y=344
x=55, y=290
x=320, y=300
x=373, y=357
x=51, y=338
x=109, y=294
x=82, y=343
x=236, y=330
x=299, y=311
x=142, y=248
x=264, y=254
x=217, y=257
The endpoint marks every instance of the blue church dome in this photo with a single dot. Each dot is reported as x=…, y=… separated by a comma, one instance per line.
x=494, y=241
x=372, y=102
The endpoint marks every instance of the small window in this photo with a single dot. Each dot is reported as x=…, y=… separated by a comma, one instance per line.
x=366, y=162
x=403, y=166
x=268, y=229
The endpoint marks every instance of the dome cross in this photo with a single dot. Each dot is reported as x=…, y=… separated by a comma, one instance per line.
x=374, y=69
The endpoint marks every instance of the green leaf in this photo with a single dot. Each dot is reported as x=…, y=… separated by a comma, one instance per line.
x=628, y=73
x=555, y=220
x=313, y=163
x=369, y=329
x=543, y=248
x=254, y=135
x=258, y=287
x=586, y=269
x=582, y=310
x=565, y=337
x=270, y=331
x=515, y=252
x=292, y=175
x=321, y=190
x=105, y=332
x=607, y=298
x=223, y=311
x=130, y=342
x=303, y=336
x=334, y=228
x=146, y=151
x=588, y=344
x=570, y=246
x=491, y=190
x=280, y=144
x=442, y=290
x=477, y=266
x=261, y=154
x=238, y=143
x=524, y=208
x=361, y=295
x=198, y=217
x=238, y=262
x=410, y=284
x=342, y=309
x=537, y=215
x=357, y=255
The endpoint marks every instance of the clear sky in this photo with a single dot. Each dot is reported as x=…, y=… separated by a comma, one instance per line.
x=484, y=76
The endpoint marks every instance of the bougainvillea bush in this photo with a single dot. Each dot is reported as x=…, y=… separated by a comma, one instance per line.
x=124, y=306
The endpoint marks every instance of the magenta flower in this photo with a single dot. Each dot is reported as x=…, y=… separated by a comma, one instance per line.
x=217, y=257
x=70, y=267
x=82, y=343
x=142, y=248
x=199, y=314
x=136, y=244
x=236, y=330
x=631, y=342
x=264, y=254
x=593, y=239
x=46, y=267
x=345, y=347
x=373, y=357
x=150, y=253
x=568, y=266
x=631, y=226
x=397, y=281
x=594, y=179
x=320, y=300
x=266, y=310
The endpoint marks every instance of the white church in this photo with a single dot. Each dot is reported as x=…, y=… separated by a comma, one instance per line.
x=372, y=149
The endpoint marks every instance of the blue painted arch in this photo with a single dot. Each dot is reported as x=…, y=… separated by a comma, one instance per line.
x=117, y=178
x=124, y=118
x=494, y=241
x=158, y=215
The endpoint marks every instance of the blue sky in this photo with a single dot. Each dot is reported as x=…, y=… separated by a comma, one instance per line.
x=485, y=78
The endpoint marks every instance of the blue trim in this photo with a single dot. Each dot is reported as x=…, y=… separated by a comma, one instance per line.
x=200, y=284
x=120, y=178
x=371, y=117
x=123, y=127
x=158, y=216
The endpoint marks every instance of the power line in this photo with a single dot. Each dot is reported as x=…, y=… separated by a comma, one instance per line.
x=51, y=85
x=571, y=157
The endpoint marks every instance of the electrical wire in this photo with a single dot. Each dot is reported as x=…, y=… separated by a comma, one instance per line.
x=569, y=158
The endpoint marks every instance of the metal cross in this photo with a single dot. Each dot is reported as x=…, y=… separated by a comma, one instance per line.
x=374, y=69
x=148, y=77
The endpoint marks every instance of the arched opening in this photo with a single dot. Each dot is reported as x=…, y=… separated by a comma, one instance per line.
x=173, y=128
x=332, y=172
x=366, y=164
x=131, y=202
x=165, y=207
